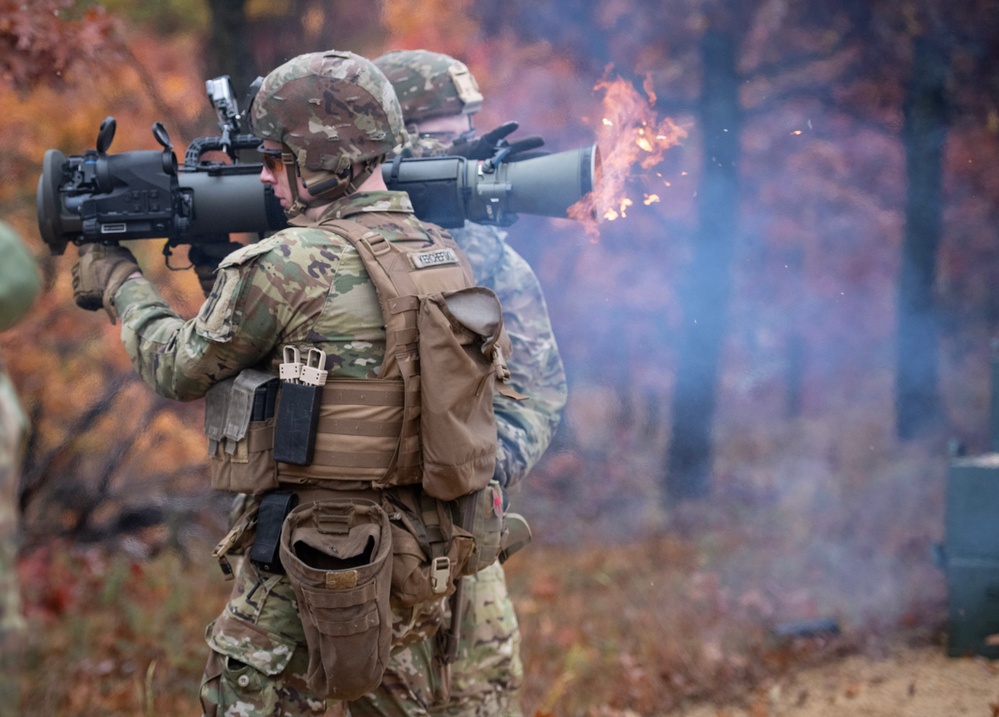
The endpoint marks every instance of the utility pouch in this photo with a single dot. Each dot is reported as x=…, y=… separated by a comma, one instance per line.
x=337, y=555
x=239, y=425
x=462, y=349
x=274, y=508
x=481, y=513
x=429, y=551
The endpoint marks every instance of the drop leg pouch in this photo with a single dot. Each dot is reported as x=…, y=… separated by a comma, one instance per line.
x=337, y=556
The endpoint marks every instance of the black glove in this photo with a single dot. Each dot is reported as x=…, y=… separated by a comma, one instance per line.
x=494, y=142
x=521, y=149
x=205, y=259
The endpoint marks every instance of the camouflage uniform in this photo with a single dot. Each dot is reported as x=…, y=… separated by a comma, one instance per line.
x=18, y=288
x=303, y=285
x=488, y=674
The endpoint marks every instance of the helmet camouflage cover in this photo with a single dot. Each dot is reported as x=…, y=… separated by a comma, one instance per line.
x=331, y=108
x=430, y=84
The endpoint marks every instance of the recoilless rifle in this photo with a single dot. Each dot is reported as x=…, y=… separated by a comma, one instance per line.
x=147, y=194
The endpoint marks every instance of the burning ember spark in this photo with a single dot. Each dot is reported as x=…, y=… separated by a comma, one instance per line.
x=649, y=91
x=632, y=140
x=651, y=199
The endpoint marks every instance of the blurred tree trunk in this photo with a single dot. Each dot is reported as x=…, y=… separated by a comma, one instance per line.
x=705, y=292
x=228, y=51
x=917, y=400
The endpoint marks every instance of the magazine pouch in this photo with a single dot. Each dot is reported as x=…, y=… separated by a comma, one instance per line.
x=239, y=425
x=337, y=556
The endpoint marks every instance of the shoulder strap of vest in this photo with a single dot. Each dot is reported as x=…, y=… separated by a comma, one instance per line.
x=389, y=275
x=393, y=270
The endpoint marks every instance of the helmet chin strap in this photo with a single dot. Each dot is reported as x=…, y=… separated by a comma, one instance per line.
x=291, y=170
x=324, y=190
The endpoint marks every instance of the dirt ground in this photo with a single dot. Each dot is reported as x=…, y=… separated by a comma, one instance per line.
x=905, y=681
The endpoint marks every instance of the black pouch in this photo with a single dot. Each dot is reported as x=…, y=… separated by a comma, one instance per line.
x=297, y=419
x=265, y=551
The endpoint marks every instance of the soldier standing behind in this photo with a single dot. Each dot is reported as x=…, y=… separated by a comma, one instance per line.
x=18, y=289
x=439, y=97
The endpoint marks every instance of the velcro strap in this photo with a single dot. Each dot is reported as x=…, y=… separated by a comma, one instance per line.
x=400, y=304
x=349, y=427
x=373, y=396
x=406, y=337
x=344, y=459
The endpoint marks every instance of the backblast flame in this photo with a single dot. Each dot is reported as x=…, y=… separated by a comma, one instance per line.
x=631, y=140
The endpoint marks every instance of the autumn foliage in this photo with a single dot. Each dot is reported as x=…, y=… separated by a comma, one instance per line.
x=39, y=42
x=629, y=605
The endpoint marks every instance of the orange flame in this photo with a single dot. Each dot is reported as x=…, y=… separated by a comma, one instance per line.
x=631, y=141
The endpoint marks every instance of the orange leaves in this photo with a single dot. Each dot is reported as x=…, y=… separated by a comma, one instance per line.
x=452, y=30
x=112, y=635
x=38, y=45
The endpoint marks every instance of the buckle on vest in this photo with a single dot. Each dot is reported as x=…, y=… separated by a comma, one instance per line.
x=440, y=574
x=334, y=519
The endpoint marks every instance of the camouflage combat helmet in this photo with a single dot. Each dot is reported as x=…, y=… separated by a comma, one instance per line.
x=331, y=110
x=430, y=84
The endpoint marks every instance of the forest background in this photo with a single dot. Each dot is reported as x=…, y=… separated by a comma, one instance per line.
x=775, y=334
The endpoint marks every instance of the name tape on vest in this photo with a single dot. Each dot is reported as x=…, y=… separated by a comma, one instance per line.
x=438, y=257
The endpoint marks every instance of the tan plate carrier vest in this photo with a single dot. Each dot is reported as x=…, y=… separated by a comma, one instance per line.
x=428, y=417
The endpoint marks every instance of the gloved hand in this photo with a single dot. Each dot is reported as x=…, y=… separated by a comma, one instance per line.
x=494, y=141
x=99, y=273
x=205, y=259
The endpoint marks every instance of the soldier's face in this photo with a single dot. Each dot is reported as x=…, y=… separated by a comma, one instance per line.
x=446, y=129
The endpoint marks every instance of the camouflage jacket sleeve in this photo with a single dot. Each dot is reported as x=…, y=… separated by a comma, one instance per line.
x=13, y=434
x=247, y=314
x=525, y=428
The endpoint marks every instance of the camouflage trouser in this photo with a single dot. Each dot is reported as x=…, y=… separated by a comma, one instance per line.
x=12, y=434
x=259, y=658
x=488, y=674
